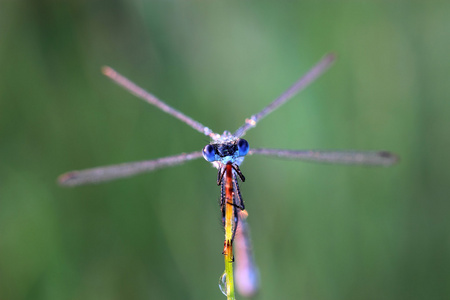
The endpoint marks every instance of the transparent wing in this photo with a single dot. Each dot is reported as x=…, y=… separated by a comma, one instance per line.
x=107, y=173
x=246, y=271
x=146, y=96
x=300, y=84
x=376, y=158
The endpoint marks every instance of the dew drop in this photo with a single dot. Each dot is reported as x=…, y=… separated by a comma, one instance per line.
x=223, y=283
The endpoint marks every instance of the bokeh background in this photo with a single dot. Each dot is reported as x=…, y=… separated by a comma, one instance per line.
x=319, y=231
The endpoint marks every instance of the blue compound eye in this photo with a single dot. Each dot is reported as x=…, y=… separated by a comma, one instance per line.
x=209, y=153
x=243, y=147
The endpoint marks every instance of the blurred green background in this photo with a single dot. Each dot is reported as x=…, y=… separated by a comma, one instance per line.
x=319, y=231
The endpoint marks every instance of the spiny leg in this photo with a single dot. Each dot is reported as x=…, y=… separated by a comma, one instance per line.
x=240, y=202
x=236, y=217
x=222, y=202
x=238, y=171
x=220, y=174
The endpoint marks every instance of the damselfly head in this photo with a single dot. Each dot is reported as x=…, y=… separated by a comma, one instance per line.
x=225, y=152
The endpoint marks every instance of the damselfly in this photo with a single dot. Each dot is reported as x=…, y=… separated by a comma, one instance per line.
x=226, y=151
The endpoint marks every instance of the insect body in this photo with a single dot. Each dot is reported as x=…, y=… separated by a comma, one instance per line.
x=226, y=152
